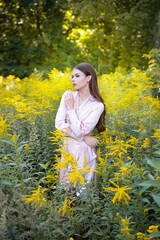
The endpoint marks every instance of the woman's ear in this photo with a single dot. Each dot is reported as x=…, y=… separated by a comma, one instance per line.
x=89, y=77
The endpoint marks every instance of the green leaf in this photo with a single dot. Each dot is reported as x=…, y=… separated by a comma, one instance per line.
x=89, y=232
x=46, y=165
x=42, y=165
x=42, y=180
x=98, y=233
x=156, y=198
x=145, y=200
x=19, y=149
x=26, y=180
x=17, y=185
x=154, y=163
x=6, y=183
x=9, y=142
x=157, y=152
x=149, y=183
x=154, y=234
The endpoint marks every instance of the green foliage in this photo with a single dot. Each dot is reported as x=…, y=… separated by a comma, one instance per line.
x=114, y=33
x=153, y=69
x=31, y=37
x=35, y=205
x=38, y=34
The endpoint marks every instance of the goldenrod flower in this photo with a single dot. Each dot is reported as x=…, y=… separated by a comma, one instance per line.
x=36, y=197
x=152, y=229
x=125, y=230
x=4, y=126
x=140, y=236
x=142, y=128
x=58, y=137
x=146, y=143
x=67, y=159
x=119, y=148
x=26, y=148
x=51, y=177
x=102, y=162
x=146, y=211
x=14, y=137
x=65, y=207
x=121, y=195
x=117, y=214
x=133, y=140
x=157, y=134
x=77, y=175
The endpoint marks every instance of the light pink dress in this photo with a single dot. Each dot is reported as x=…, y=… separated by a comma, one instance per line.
x=79, y=122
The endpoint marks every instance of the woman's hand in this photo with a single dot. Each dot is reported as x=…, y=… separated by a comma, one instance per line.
x=90, y=141
x=69, y=100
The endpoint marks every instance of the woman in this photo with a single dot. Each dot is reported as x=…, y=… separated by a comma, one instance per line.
x=79, y=113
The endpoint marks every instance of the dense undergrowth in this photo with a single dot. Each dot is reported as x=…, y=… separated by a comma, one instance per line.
x=34, y=205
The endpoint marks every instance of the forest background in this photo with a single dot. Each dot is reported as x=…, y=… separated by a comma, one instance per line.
x=41, y=41
x=46, y=34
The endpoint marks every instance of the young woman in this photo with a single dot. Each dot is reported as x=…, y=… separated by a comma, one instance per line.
x=79, y=113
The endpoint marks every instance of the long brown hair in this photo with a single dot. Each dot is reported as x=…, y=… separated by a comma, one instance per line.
x=88, y=69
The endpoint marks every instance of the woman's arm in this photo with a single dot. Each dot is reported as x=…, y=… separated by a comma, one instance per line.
x=82, y=127
x=90, y=141
x=60, y=121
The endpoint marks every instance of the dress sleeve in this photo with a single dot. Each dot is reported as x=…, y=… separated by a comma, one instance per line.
x=62, y=122
x=61, y=116
x=83, y=127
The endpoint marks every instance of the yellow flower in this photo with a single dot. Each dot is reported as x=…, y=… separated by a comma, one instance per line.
x=74, y=173
x=125, y=230
x=146, y=211
x=140, y=236
x=146, y=143
x=4, y=127
x=121, y=195
x=77, y=174
x=142, y=128
x=14, y=137
x=117, y=214
x=65, y=207
x=157, y=134
x=51, y=177
x=26, y=148
x=119, y=148
x=152, y=229
x=58, y=137
x=124, y=171
x=133, y=140
x=36, y=197
x=67, y=159
x=71, y=238
x=102, y=162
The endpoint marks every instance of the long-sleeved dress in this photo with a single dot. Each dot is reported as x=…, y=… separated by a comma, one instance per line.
x=79, y=122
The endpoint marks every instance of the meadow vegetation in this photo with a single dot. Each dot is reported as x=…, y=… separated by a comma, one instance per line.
x=126, y=203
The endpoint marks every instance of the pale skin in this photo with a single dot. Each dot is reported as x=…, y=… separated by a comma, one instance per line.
x=81, y=83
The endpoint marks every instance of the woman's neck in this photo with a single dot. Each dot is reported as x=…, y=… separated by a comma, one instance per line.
x=83, y=95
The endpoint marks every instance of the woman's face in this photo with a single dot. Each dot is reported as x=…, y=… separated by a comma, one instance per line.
x=79, y=79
